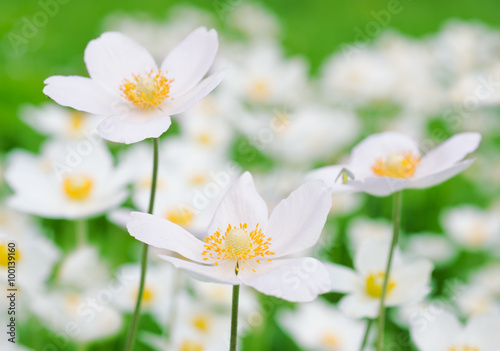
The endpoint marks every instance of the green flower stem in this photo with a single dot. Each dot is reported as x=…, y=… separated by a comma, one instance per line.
x=144, y=257
x=82, y=232
x=234, y=318
x=396, y=218
x=367, y=332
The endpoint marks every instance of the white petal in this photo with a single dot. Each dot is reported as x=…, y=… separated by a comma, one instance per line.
x=372, y=256
x=381, y=145
x=330, y=176
x=483, y=331
x=448, y=153
x=293, y=279
x=80, y=93
x=358, y=306
x=438, y=332
x=159, y=232
x=380, y=186
x=440, y=177
x=222, y=273
x=297, y=221
x=179, y=104
x=241, y=204
x=412, y=282
x=190, y=60
x=343, y=279
x=113, y=57
x=134, y=125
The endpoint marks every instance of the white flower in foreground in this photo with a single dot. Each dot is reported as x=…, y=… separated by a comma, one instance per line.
x=408, y=282
x=66, y=181
x=319, y=326
x=446, y=332
x=472, y=227
x=388, y=162
x=60, y=122
x=245, y=246
x=127, y=86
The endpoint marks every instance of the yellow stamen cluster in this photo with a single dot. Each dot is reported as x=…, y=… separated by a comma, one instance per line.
x=147, y=91
x=201, y=323
x=463, y=348
x=181, y=216
x=188, y=345
x=330, y=341
x=397, y=166
x=78, y=187
x=76, y=121
x=375, y=282
x=237, y=244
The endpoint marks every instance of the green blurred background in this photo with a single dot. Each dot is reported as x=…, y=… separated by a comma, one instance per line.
x=313, y=28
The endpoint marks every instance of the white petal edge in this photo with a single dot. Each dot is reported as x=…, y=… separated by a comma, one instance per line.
x=297, y=221
x=241, y=204
x=440, y=177
x=80, y=93
x=343, y=279
x=190, y=60
x=223, y=273
x=292, y=279
x=163, y=234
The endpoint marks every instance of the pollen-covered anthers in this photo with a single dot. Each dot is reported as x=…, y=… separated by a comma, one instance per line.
x=237, y=244
x=399, y=165
x=147, y=91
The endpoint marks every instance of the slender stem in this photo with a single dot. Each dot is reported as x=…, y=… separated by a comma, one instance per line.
x=396, y=218
x=144, y=257
x=234, y=318
x=367, y=332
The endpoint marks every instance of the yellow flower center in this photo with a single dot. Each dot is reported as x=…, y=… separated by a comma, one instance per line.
x=259, y=90
x=181, y=216
x=330, y=341
x=397, y=165
x=5, y=253
x=237, y=244
x=375, y=282
x=148, y=295
x=78, y=187
x=198, y=179
x=188, y=345
x=201, y=323
x=76, y=121
x=463, y=348
x=147, y=91
x=205, y=138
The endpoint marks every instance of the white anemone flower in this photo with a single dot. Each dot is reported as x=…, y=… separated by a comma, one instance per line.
x=67, y=180
x=127, y=86
x=321, y=326
x=388, y=162
x=245, y=246
x=408, y=281
x=446, y=332
x=59, y=122
x=472, y=227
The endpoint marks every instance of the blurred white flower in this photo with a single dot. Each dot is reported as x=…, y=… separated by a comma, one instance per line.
x=157, y=298
x=476, y=300
x=313, y=133
x=68, y=180
x=320, y=326
x=344, y=204
x=408, y=281
x=388, y=162
x=446, y=332
x=362, y=229
x=434, y=247
x=74, y=270
x=244, y=247
x=471, y=227
x=255, y=21
x=128, y=88
x=261, y=76
x=489, y=278
x=59, y=122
